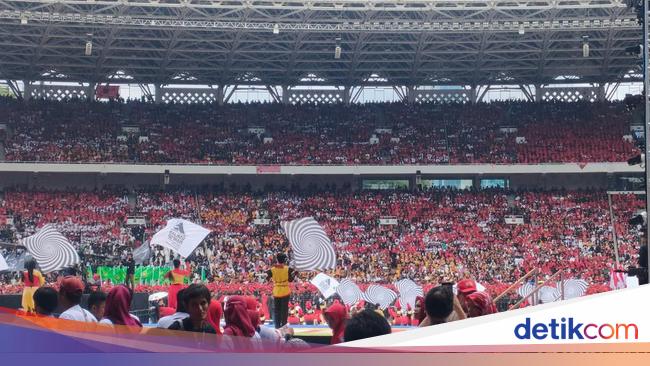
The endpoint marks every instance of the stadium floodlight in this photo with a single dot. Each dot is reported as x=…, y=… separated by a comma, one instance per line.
x=89, y=44
x=337, y=49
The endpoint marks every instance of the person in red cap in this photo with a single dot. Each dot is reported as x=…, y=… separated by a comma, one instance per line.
x=70, y=292
x=475, y=303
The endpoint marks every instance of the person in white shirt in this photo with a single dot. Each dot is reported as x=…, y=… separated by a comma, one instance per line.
x=70, y=294
x=180, y=314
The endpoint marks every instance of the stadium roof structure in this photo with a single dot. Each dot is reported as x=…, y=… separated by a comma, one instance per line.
x=293, y=42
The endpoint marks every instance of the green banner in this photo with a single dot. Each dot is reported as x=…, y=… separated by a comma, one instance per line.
x=144, y=275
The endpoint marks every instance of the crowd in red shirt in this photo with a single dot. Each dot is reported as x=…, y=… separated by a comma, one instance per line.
x=546, y=132
x=440, y=235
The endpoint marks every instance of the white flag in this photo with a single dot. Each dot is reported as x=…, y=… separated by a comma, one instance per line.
x=181, y=236
x=3, y=264
x=325, y=284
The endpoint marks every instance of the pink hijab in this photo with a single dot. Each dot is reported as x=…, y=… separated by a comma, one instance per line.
x=251, y=306
x=238, y=320
x=118, y=304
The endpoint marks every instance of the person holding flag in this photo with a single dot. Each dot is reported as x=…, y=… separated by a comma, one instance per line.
x=177, y=278
x=281, y=274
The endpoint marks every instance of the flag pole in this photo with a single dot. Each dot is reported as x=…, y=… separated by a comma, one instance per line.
x=646, y=87
x=7, y=244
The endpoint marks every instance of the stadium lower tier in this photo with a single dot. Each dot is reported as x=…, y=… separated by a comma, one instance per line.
x=493, y=236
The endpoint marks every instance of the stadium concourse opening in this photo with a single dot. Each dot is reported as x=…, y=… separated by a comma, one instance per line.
x=318, y=171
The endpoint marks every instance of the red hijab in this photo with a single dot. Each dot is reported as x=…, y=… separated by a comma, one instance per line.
x=479, y=303
x=214, y=315
x=118, y=303
x=420, y=315
x=238, y=321
x=251, y=307
x=336, y=316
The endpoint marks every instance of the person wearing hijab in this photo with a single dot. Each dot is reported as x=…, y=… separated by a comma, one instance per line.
x=32, y=280
x=118, y=304
x=215, y=311
x=478, y=304
x=238, y=320
x=418, y=313
x=251, y=307
x=336, y=317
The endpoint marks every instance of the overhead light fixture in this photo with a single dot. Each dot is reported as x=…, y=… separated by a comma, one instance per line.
x=522, y=30
x=585, y=46
x=89, y=44
x=23, y=20
x=337, y=48
x=276, y=29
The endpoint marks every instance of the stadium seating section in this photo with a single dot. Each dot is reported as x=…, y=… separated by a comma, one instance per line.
x=332, y=134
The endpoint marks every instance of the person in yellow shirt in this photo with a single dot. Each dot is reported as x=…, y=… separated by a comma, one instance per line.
x=32, y=280
x=281, y=274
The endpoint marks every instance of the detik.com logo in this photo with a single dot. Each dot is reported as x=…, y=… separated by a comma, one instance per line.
x=569, y=328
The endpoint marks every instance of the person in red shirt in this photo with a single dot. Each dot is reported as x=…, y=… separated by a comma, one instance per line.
x=293, y=318
x=177, y=278
x=336, y=316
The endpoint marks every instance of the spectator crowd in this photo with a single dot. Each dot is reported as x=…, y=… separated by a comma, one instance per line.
x=378, y=134
x=440, y=234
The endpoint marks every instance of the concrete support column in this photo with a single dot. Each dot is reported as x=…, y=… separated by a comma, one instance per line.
x=346, y=95
x=472, y=95
x=90, y=92
x=601, y=92
x=410, y=94
x=158, y=91
x=285, y=94
x=27, y=90
x=220, y=96
x=539, y=91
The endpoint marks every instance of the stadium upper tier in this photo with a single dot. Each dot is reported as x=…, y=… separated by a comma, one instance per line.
x=376, y=134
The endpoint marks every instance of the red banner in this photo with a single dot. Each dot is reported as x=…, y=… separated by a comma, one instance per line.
x=107, y=91
x=268, y=169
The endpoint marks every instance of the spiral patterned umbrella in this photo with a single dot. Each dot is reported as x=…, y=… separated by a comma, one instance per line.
x=408, y=291
x=548, y=294
x=51, y=250
x=526, y=289
x=349, y=292
x=312, y=248
x=381, y=295
x=573, y=288
x=3, y=263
